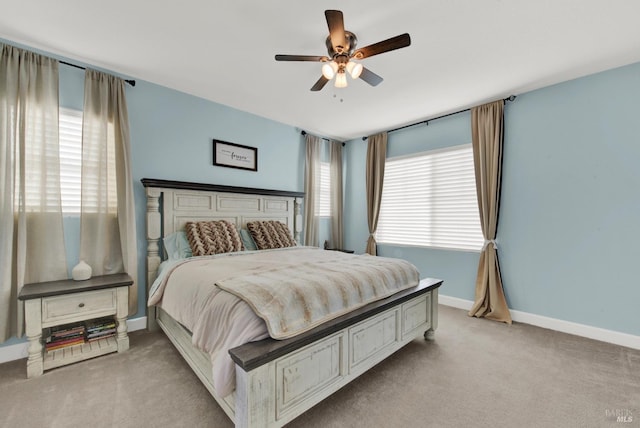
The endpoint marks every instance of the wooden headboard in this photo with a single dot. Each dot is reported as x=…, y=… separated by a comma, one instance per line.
x=170, y=204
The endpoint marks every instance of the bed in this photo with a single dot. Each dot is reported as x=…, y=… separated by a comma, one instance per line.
x=277, y=380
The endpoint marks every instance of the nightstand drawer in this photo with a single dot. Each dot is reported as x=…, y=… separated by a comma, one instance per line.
x=78, y=306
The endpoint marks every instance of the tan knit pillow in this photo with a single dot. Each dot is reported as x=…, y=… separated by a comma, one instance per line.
x=212, y=237
x=270, y=234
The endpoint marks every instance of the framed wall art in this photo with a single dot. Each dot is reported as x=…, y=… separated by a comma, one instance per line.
x=234, y=155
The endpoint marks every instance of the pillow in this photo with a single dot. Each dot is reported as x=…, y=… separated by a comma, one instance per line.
x=247, y=240
x=212, y=237
x=177, y=246
x=270, y=234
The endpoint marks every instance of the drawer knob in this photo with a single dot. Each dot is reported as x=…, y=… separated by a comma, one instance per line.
x=81, y=305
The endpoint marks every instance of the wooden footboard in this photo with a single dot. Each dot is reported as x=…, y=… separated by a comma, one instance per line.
x=278, y=380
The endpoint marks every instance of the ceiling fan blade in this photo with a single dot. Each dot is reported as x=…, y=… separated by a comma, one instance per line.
x=397, y=42
x=301, y=58
x=370, y=77
x=320, y=83
x=335, y=22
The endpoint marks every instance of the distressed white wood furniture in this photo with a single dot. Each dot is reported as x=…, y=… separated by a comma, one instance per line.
x=277, y=380
x=54, y=303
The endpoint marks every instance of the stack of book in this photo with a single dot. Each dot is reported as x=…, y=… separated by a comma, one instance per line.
x=100, y=328
x=78, y=333
x=65, y=335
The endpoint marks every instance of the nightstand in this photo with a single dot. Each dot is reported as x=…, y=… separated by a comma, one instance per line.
x=56, y=303
x=340, y=249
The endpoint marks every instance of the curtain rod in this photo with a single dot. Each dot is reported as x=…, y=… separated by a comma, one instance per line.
x=303, y=132
x=509, y=98
x=129, y=81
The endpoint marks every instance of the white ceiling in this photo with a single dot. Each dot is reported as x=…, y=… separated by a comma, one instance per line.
x=463, y=52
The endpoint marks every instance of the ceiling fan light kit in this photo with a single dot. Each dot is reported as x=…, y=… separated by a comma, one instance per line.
x=354, y=69
x=341, y=79
x=341, y=47
x=330, y=69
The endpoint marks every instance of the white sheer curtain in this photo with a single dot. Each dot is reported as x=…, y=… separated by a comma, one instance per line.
x=108, y=230
x=311, y=189
x=31, y=232
x=337, y=222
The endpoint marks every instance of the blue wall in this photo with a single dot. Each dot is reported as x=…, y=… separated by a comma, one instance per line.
x=569, y=221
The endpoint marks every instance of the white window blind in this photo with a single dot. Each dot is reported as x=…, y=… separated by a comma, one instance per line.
x=324, y=206
x=70, y=160
x=429, y=200
x=71, y=168
x=41, y=192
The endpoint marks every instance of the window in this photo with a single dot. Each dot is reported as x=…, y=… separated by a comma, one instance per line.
x=70, y=160
x=70, y=124
x=39, y=163
x=429, y=200
x=323, y=208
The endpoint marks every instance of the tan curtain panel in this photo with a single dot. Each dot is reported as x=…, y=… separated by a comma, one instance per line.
x=487, y=140
x=31, y=232
x=107, y=221
x=311, y=189
x=337, y=222
x=376, y=156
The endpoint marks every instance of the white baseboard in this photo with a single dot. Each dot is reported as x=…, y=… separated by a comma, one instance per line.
x=601, y=334
x=13, y=352
x=455, y=302
x=20, y=350
x=135, y=324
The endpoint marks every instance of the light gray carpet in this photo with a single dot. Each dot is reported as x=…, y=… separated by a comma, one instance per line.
x=477, y=373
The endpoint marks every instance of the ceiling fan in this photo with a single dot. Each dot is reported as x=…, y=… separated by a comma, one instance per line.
x=341, y=46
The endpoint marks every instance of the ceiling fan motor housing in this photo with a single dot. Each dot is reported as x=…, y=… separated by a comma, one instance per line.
x=351, y=43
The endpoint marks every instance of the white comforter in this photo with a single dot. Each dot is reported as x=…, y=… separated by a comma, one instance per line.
x=198, y=304
x=219, y=320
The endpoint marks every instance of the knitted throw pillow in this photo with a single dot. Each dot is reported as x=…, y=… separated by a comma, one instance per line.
x=212, y=237
x=270, y=234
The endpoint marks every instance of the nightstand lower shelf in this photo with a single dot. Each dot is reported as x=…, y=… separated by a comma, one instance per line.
x=73, y=354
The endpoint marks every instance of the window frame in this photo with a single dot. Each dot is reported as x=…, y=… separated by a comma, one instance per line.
x=463, y=183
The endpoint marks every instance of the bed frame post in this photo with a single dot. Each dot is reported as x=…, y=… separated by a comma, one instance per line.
x=430, y=334
x=298, y=220
x=255, y=399
x=154, y=230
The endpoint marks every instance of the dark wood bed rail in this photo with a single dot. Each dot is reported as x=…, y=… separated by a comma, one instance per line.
x=256, y=354
x=185, y=185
